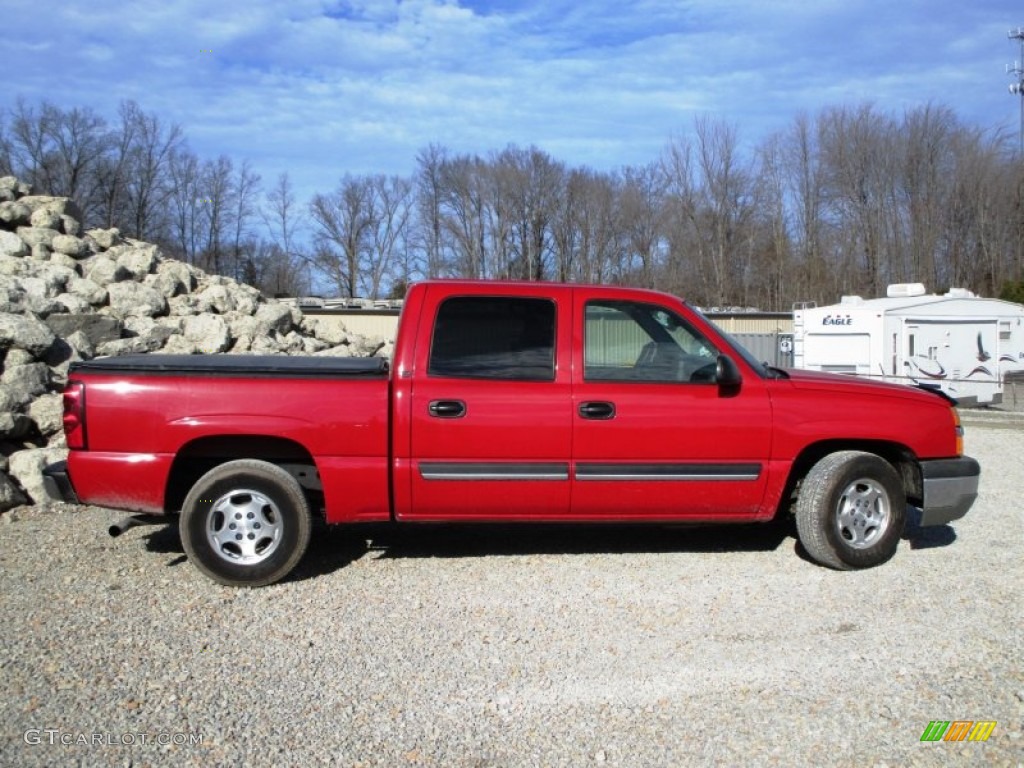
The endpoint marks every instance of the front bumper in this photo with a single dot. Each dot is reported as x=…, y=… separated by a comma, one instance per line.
x=950, y=488
x=57, y=483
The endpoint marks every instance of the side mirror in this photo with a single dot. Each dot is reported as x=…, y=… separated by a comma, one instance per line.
x=727, y=374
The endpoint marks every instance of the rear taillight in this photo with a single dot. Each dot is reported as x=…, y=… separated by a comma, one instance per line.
x=74, y=414
x=959, y=430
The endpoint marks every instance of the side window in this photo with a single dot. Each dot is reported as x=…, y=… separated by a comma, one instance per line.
x=628, y=341
x=480, y=337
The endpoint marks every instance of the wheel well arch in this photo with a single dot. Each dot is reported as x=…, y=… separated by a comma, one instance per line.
x=899, y=456
x=197, y=457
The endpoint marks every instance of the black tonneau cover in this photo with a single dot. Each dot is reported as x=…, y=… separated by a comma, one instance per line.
x=237, y=365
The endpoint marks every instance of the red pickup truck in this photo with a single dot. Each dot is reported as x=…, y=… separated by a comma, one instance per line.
x=509, y=402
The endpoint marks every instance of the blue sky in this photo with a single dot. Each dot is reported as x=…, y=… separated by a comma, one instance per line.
x=324, y=87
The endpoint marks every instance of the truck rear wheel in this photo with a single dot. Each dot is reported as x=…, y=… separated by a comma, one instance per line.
x=245, y=523
x=851, y=510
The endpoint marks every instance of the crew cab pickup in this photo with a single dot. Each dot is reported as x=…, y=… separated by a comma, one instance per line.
x=509, y=402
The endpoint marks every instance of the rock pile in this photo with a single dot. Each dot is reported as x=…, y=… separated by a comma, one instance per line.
x=68, y=295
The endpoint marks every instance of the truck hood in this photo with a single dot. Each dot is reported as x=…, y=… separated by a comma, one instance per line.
x=848, y=383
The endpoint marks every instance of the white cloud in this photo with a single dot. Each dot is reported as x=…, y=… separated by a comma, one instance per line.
x=320, y=87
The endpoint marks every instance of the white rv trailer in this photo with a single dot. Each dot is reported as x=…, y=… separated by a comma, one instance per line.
x=957, y=342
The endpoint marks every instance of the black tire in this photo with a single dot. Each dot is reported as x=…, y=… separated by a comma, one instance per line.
x=851, y=511
x=245, y=523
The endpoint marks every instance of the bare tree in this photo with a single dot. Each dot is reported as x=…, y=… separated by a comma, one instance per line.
x=642, y=210
x=599, y=249
x=7, y=164
x=113, y=171
x=925, y=181
x=77, y=139
x=567, y=226
x=391, y=206
x=859, y=156
x=726, y=203
x=285, y=221
x=342, y=222
x=188, y=231
x=266, y=266
x=527, y=185
x=464, y=193
x=585, y=227
x=682, y=272
x=429, y=193
x=711, y=218
x=245, y=187
x=58, y=152
x=149, y=154
x=765, y=282
x=986, y=215
x=805, y=189
x=30, y=143
x=842, y=202
x=280, y=214
x=217, y=204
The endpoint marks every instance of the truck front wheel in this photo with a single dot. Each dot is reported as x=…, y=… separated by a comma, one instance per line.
x=851, y=510
x=245, y=523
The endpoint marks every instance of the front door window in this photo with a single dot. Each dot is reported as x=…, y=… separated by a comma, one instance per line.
x=633, y=342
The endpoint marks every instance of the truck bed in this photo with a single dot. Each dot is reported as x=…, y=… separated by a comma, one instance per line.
x=156, y=420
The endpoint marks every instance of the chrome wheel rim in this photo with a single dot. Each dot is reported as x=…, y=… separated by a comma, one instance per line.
x=244, y=527
x=863, y=513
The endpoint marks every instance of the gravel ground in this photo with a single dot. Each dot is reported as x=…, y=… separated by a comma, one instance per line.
x=518, y=647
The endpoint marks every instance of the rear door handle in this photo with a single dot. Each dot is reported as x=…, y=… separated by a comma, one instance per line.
x=447, y=409
x=597, y=410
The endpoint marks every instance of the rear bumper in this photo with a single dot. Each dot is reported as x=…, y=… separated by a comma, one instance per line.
x=57, y=483
x=950, y=488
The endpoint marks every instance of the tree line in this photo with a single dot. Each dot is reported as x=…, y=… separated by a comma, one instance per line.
x=845, y=201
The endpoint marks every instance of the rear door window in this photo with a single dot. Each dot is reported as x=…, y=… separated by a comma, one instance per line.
x=481, y=337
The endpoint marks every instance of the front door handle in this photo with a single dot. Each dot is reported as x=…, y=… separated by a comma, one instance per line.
x=447, y=409
x=597, y=410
